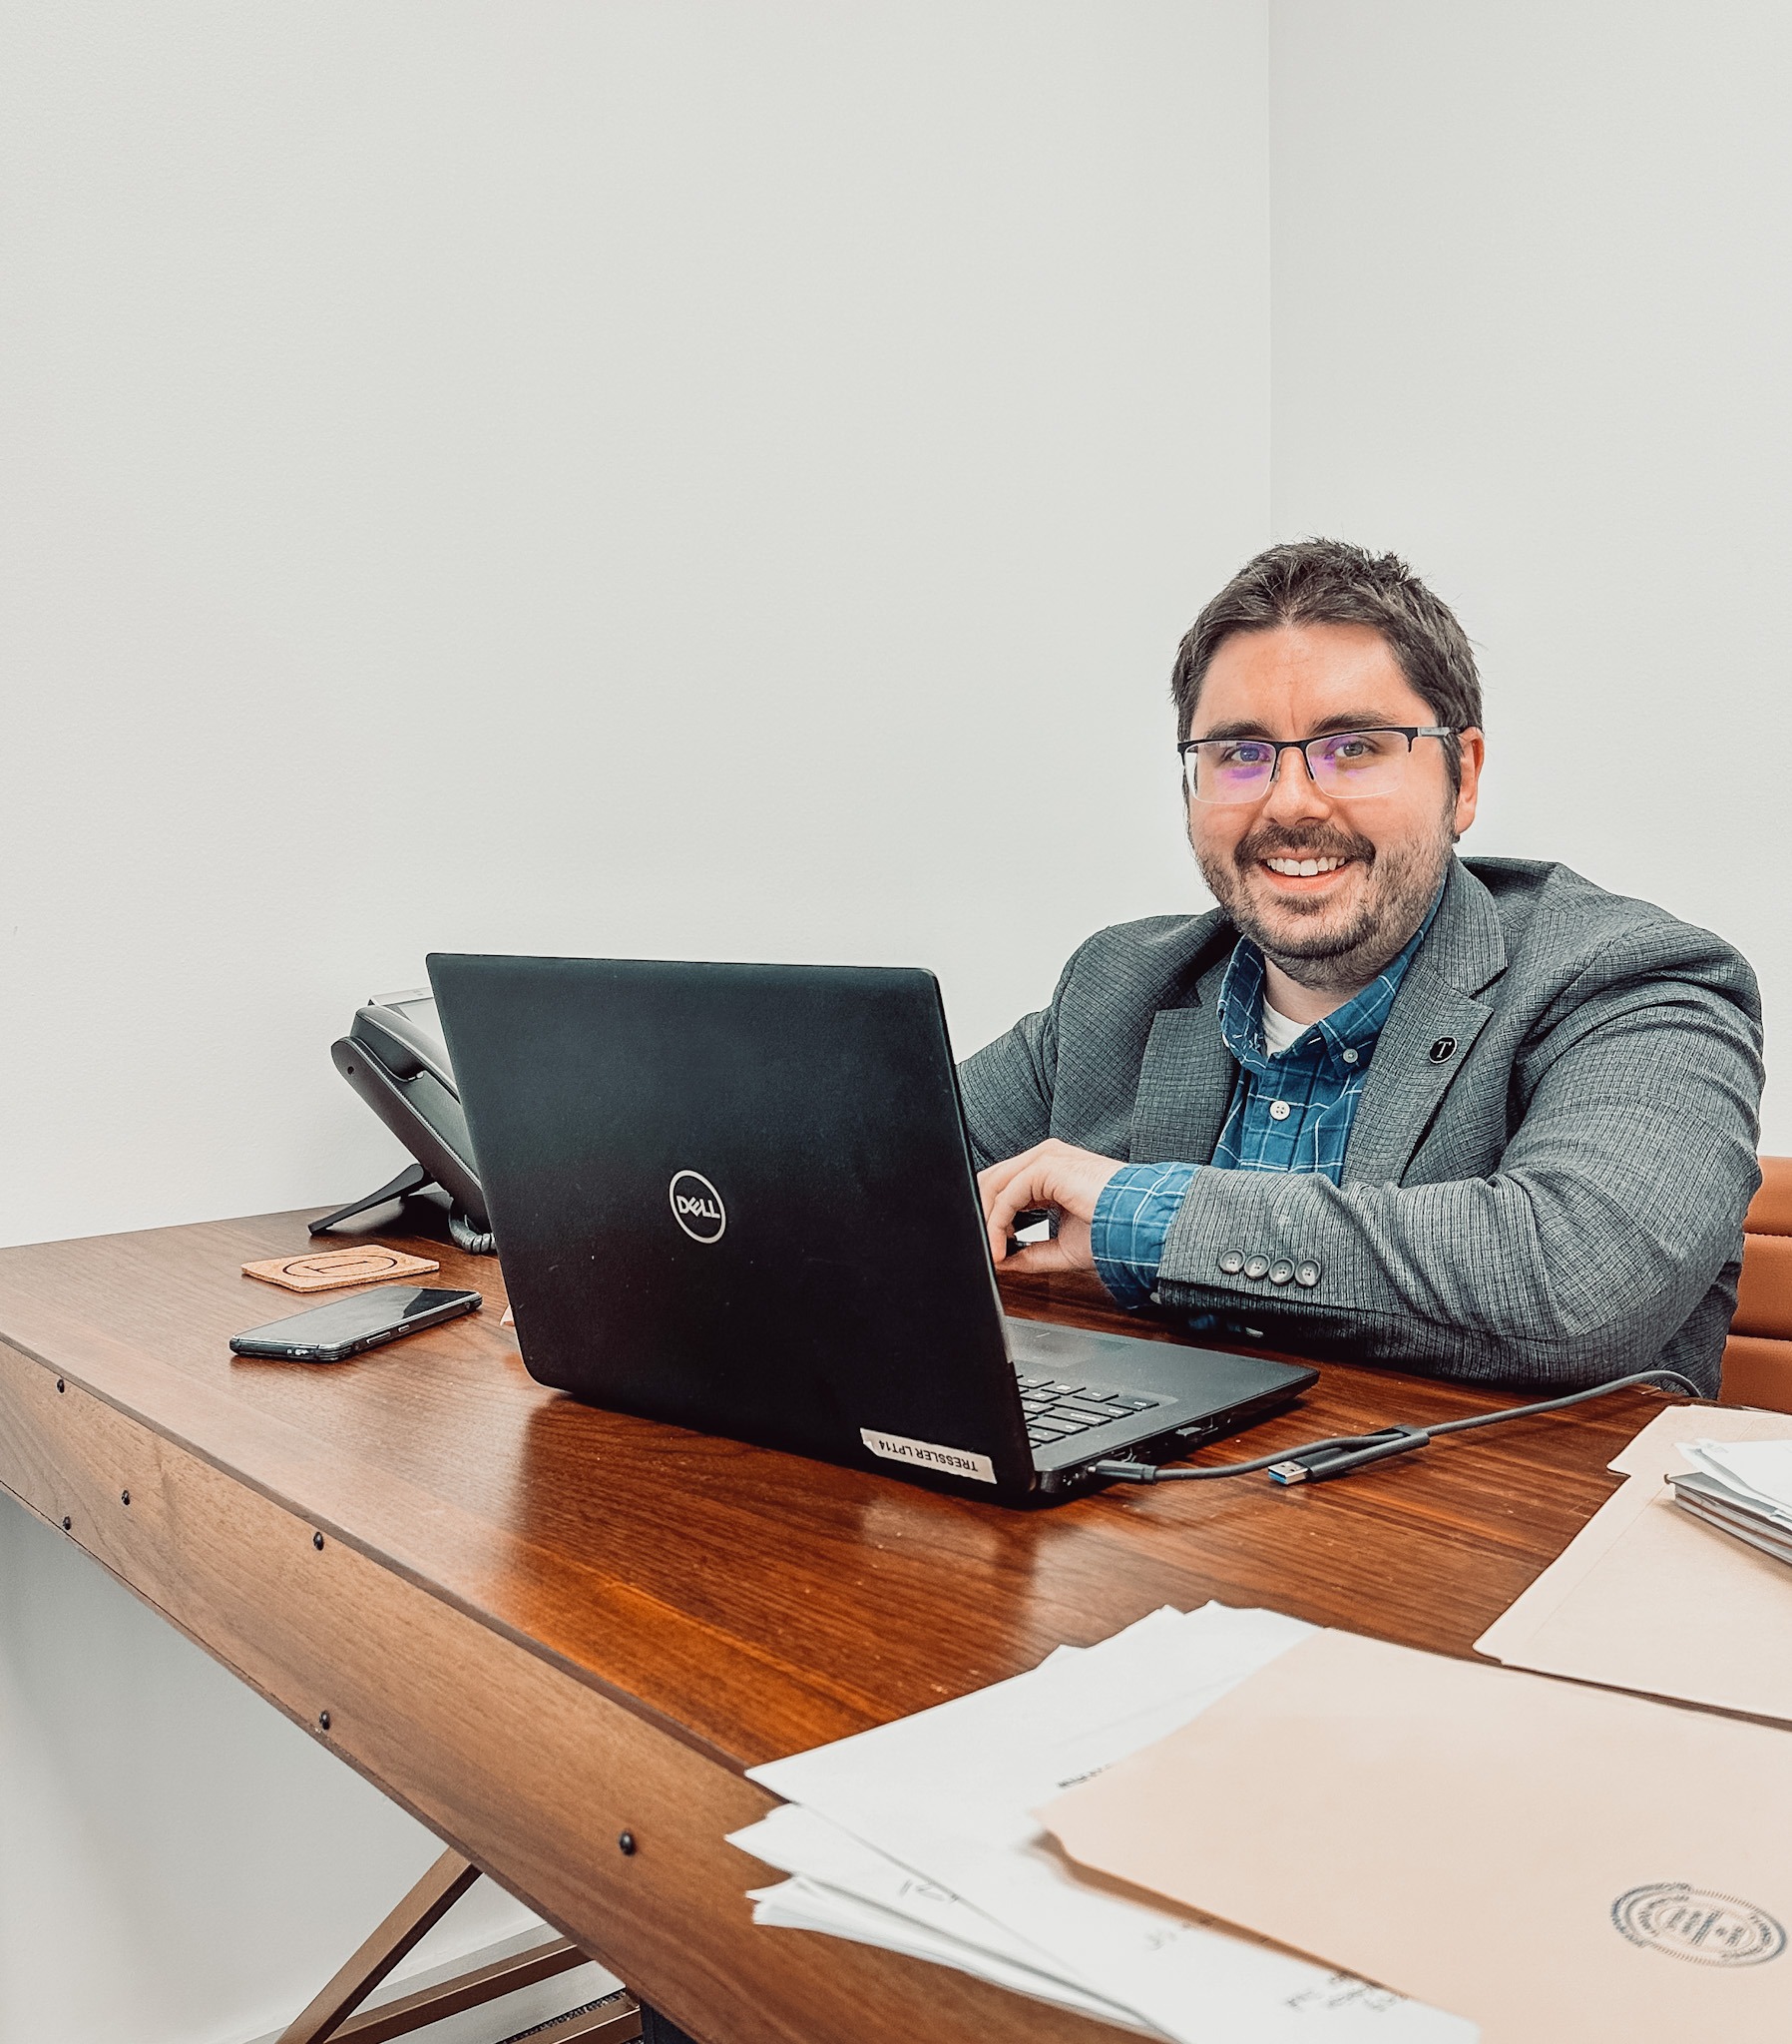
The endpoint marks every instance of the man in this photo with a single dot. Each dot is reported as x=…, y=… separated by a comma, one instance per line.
x=1477, y=1118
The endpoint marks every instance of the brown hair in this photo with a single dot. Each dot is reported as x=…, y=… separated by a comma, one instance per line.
x=1330, y=582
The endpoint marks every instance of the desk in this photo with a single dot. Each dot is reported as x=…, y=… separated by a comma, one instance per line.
x=538, y=1625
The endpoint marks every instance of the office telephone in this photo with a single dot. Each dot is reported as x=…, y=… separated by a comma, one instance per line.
x=394, y=1058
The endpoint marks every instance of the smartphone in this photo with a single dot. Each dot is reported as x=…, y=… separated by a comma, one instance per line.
x=349, y=1326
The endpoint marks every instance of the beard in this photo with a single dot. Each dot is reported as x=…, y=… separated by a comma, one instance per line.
x=1327, y=946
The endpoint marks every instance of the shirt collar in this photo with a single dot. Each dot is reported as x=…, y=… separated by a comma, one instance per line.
x=1354, y=1027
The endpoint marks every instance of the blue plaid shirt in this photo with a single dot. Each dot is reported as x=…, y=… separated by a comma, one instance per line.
x=1289, y=1113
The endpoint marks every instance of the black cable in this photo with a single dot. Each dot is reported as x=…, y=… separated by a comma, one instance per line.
x=1314, y=1461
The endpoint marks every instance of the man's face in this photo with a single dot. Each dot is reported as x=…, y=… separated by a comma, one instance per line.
x=1339, y=926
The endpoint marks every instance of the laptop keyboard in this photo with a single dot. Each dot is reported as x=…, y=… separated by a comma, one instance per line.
x=1057, y=1410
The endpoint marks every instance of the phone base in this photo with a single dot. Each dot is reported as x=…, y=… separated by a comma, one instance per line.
x=412, y=1179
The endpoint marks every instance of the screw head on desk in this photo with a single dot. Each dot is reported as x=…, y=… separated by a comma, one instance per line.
x=317, y=1542
x=123, y=1497
x=60, y=1386
x=67, y=1525
x=324, y=1720
x=626, y=1844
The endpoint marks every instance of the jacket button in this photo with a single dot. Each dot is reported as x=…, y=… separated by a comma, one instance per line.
x=1306, y=1273
x=1258, y=1266
x=1442, y=1050
x=1281, y=1271
x=1231, y=1262
x=1280, y=1110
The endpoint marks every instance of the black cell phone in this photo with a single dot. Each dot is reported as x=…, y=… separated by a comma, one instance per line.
x=349, y=1326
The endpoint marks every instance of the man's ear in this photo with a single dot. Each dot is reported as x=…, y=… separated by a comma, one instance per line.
x=1472, y=750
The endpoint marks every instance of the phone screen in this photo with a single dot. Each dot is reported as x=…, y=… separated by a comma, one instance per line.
x=364, y=1319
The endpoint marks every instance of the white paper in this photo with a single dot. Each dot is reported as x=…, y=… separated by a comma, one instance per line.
x=803, y=1842
x=806, y=1904
x=948, y=1793
x=1757, y=1474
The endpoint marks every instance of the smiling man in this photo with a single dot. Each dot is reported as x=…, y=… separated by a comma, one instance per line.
x=1478, y=1118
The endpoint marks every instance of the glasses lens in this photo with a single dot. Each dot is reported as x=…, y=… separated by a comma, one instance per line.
x=1230, y=769
x=1352, y=764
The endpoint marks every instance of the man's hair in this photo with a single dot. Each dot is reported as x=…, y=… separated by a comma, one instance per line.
x=1330, y=582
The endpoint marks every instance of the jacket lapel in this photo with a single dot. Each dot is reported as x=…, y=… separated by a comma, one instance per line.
x=1185, y=1080
x=1436, y=1005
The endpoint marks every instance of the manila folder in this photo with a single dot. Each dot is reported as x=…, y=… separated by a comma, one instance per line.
x=1550, y=1860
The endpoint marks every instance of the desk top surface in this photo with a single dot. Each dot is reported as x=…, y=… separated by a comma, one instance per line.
x=753, y=1603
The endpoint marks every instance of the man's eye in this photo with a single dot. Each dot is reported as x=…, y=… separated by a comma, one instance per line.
x=1351, y=747
x=1243, y=753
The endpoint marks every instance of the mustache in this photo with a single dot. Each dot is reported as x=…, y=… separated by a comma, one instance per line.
x=1316, y=841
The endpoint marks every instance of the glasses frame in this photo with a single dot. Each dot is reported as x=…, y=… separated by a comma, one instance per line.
x=1410, y=732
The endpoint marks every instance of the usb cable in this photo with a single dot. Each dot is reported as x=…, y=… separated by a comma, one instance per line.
x=1314, y=1461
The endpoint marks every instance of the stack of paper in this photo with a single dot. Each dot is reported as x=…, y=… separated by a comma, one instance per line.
x=1646, y=1599
x=919, y=1838
x=1743, y=1488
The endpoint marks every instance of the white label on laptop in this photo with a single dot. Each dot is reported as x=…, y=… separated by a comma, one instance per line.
x=929, y=1455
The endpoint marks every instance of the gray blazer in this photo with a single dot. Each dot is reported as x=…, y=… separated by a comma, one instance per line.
x=1550, y=1160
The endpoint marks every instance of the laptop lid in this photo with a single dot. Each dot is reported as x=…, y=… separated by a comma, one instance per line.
x=738, y=1197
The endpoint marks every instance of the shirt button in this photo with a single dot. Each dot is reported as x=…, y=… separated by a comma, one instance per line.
x=1349, y=1056
x=1258, y=1266
x=1281, y=1271
x=1280, y=1110
x=1231, y=1262
x=1306, y=1273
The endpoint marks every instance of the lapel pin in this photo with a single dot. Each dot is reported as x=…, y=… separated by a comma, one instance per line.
x=1444, y=1048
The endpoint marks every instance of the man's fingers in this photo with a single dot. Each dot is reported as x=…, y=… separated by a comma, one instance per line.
x=1038, y=1257
x=1026, y=1187
x=991, y=1182
x=1056, y=1175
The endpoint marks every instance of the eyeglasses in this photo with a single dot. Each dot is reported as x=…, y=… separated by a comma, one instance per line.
x=1344, y=765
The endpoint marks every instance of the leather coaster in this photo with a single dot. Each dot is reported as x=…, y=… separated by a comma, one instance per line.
x=365, y=1264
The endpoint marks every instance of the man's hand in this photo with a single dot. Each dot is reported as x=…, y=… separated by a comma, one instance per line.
x=1053, y=1174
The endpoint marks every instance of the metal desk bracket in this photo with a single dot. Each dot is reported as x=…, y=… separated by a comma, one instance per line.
x=330, y=2018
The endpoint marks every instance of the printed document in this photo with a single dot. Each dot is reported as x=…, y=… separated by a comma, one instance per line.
x=944, y=1799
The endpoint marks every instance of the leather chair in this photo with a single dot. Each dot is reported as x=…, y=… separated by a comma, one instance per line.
x=1757, y=1360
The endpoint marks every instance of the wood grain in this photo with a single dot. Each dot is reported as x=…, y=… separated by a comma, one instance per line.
x=530, y=1773
x=535, y=1624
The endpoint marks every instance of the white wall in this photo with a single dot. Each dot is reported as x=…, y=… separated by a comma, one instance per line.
x=710, y=479
x=177, y=1861
x=651, y=477
x=1532, y=287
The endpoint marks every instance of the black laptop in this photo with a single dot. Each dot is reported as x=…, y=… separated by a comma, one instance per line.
x=739, y=1198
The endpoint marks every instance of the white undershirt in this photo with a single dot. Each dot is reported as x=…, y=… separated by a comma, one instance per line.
x=1279, y=1034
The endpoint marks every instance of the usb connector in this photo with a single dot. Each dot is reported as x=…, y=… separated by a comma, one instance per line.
x=1315, y=1465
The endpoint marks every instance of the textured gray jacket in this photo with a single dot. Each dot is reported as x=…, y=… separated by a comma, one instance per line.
x=1551, y=1159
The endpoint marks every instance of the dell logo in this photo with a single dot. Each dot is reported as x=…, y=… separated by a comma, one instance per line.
x=696, y=1207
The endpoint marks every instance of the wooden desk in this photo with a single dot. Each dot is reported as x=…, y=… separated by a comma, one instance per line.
x=538, y=1625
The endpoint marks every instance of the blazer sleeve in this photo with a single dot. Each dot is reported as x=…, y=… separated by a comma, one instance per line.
x=1615, y=1208
x=1007, y=1085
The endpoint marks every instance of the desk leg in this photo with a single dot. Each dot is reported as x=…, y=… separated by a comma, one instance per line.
x=330, y=2018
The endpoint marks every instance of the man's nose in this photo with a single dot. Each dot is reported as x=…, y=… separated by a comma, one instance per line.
x=1292, y=793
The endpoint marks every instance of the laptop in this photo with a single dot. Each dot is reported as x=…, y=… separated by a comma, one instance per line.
x=741, y=1199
